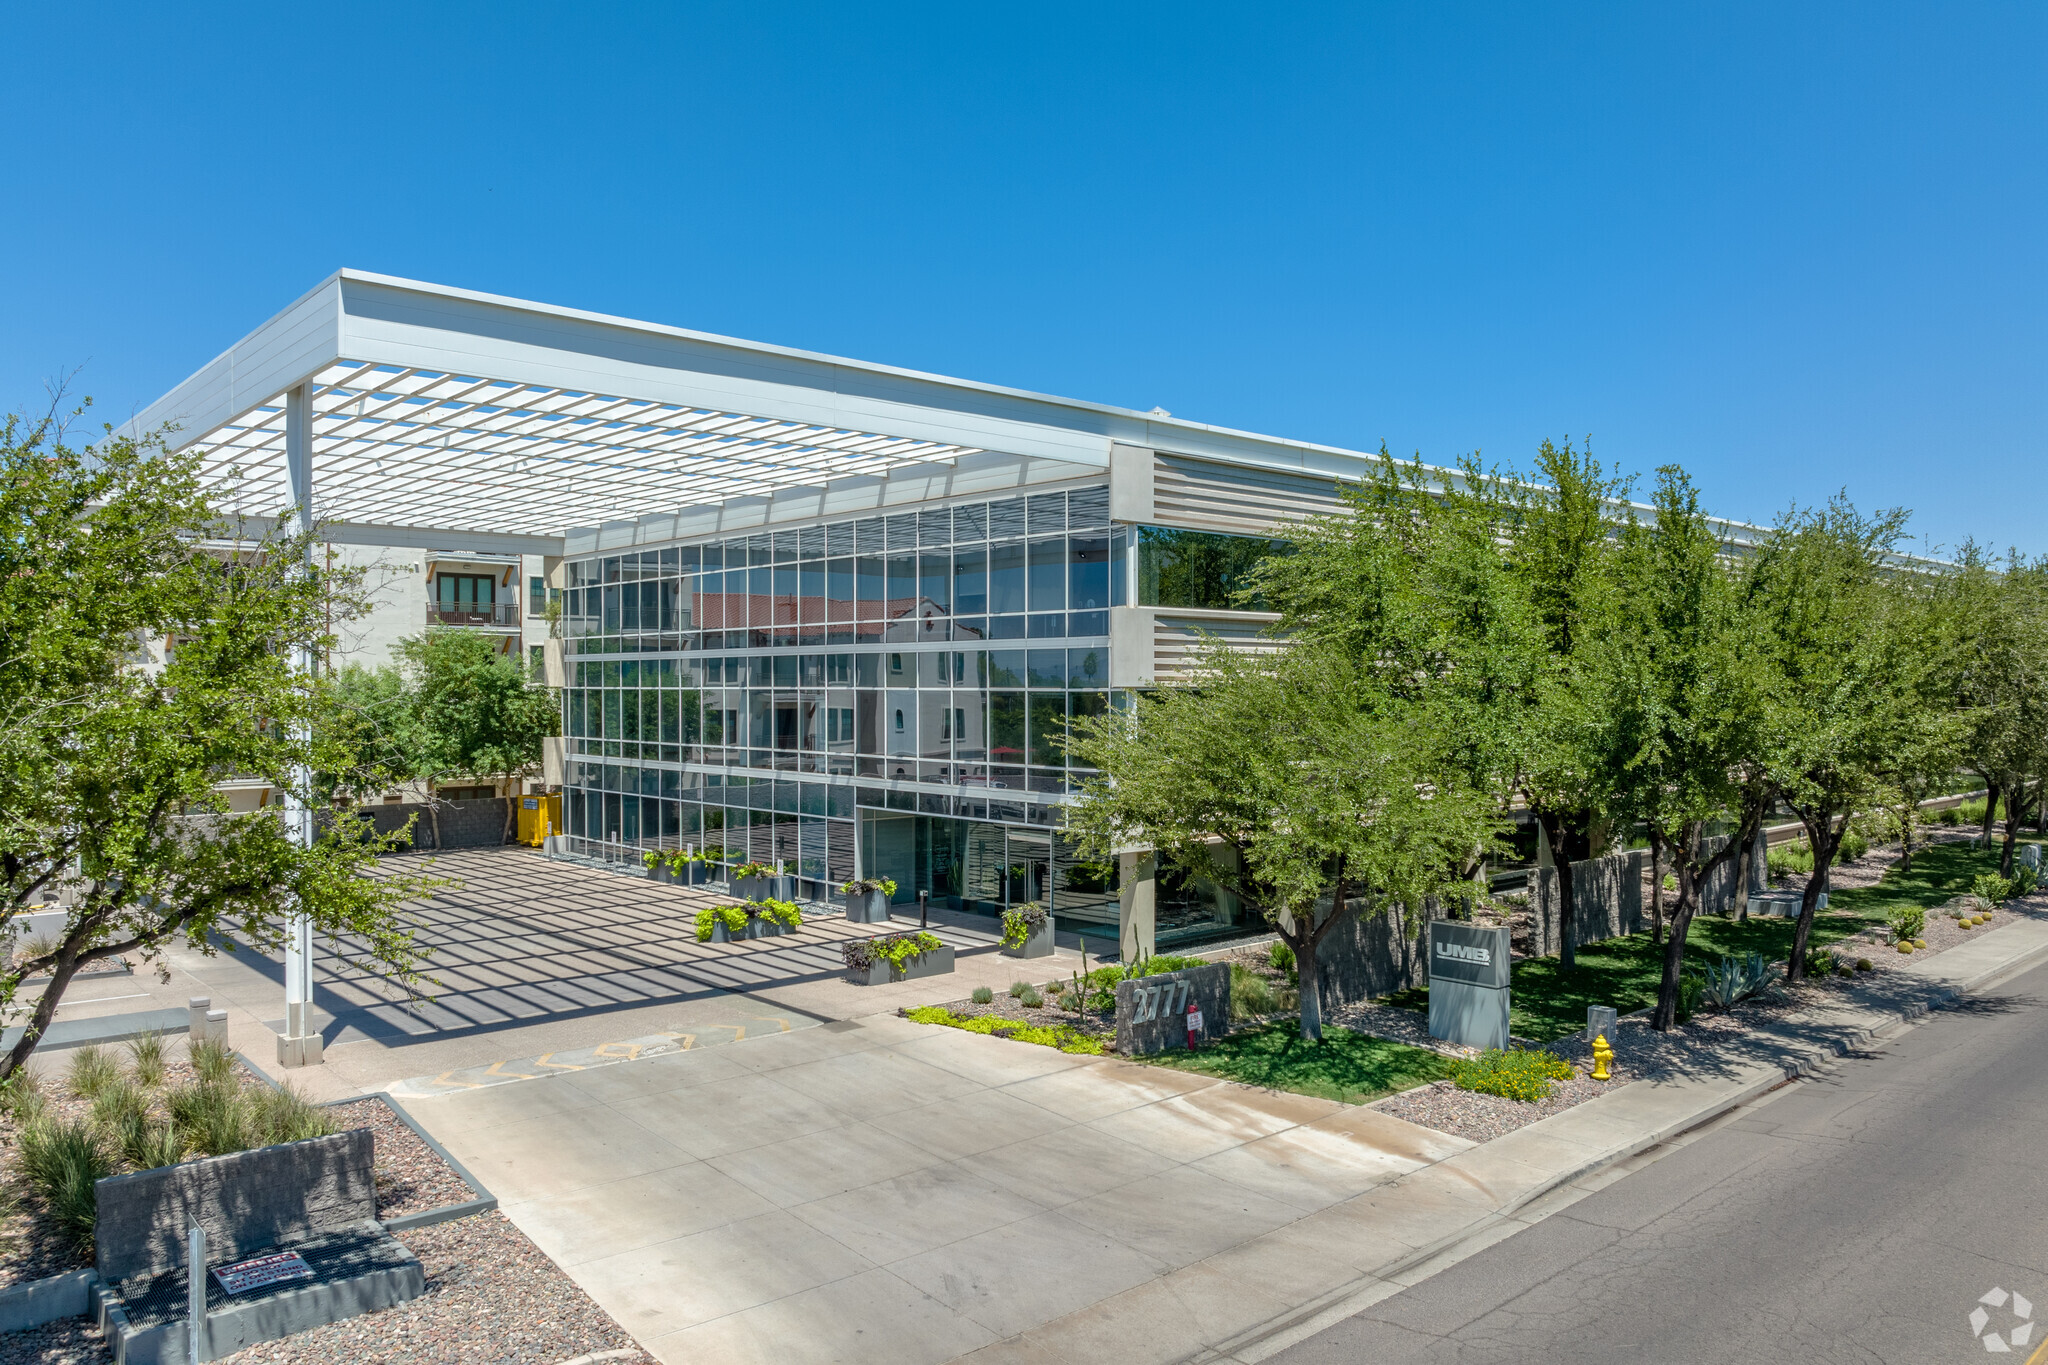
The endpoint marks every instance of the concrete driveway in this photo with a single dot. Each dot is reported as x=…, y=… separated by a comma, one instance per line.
x=873, y=1190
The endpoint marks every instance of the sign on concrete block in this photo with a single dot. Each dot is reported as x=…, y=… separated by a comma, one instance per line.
x=1153, y=1012
x=276, y=1268
x=1468, y=983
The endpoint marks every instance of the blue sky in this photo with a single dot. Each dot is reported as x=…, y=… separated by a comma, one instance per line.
x=1793, y=248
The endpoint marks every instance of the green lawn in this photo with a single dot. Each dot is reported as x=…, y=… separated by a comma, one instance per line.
x=1939, y=874
x=1548, y=1002
x=1349, y=1067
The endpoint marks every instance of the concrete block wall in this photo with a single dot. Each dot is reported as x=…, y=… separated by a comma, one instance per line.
x=246, y=1201
x=464, y=824
x=1607, y=901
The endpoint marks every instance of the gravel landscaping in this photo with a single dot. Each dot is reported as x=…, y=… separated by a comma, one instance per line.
x=410, y=1178
x=492, y=1296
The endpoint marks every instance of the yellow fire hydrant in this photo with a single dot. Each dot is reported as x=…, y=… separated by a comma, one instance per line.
x=1602, y=1055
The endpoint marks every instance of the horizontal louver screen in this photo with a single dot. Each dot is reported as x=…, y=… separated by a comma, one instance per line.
x=1177, y=639
x=1230, y=498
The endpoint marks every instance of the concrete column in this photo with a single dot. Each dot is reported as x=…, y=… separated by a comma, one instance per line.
x=300, y=1044
x=1137, y=920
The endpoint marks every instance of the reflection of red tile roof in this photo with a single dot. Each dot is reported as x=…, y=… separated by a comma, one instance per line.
x=712, y=610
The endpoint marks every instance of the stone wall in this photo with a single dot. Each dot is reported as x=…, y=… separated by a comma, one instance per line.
x=1607, y=901
x=246, y=1201
x=1363, y=958
x=464, y=824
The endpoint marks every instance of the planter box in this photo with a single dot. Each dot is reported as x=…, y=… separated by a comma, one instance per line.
x=753, y=888
x=868, y=907
x=1038, y=945
x=719, y=933
x=937, y=962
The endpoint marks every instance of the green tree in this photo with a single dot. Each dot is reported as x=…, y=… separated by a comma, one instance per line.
x=1295, y=781
x=1475, y=585
x=1678, y=708
x=1998, y=670
x=1845, y=682
x=110, y=762
x=475, y=712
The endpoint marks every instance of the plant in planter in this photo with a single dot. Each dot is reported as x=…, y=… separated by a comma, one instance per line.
x=783, y=914
x=896, y=957
x=1027, y=930
x=721, y=923
x=867, y=899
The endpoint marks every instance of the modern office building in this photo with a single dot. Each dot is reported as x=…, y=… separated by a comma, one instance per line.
x=813, y=610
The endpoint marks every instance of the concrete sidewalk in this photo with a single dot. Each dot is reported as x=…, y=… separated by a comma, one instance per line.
x=1255, y=1299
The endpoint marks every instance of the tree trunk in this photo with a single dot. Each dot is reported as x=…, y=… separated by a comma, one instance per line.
x=1656, y=889
x=1906, y=836
x=1311, y=987
x=1990, y=812
x=1561, y=859
x=1666, y=1012
x=2015, y=816
x=1824, y=836
x=511, y=812
x=46, y=1010
x=1745, y=862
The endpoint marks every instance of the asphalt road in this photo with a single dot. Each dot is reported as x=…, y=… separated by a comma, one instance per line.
x=1858, y=1217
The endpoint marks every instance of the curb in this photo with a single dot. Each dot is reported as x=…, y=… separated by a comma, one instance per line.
x=1327, y=1309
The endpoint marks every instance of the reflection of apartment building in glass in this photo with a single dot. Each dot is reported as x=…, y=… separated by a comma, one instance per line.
x=813, y=610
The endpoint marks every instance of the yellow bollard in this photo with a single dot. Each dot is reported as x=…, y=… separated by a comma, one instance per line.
x=1603, y=1053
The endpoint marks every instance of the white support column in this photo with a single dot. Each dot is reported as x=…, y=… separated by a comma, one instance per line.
x=300, y=1044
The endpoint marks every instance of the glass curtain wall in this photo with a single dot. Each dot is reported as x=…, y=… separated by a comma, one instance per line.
x=734, y=693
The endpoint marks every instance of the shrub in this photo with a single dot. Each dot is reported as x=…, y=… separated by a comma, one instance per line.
x=983, y=996
x=63, y=1161
x=1908, y=922
x=1282, y=958
x=147, y=1053
x=1735, y=979
x=1020, y=922
x=213, y=1117
x=1251, y=995
x=1852, y=847
x=1786, y=859
x=23, y=1097
x=1969, y=813
x=753, y=870
x=1017, y=989
x=1991, y=887
x=147, y=1144
x=734, y=917
x=1517, y=1075
x=861, y=886
x=283, y=1115
x=783, y=913
x=213, y=1062
x=1031, y=999
x=1691, y=990
x=119, y=1102
x=1948, y=816
x=1821, y=962
x=1065, y=1037
x=2024, y=880
x=93, y=1069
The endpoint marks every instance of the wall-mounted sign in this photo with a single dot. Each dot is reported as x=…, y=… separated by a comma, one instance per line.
x=276, y=1268
x=1153, y=1012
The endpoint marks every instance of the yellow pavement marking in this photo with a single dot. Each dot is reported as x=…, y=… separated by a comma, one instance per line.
x=444, y=1079
x=542, y=1060
x=493, y=1070
x=607, y=1050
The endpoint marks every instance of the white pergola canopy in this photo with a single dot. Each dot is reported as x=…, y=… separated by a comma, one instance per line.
x=429, y=409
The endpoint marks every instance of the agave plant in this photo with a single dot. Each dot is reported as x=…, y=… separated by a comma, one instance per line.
x=1736, y=979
